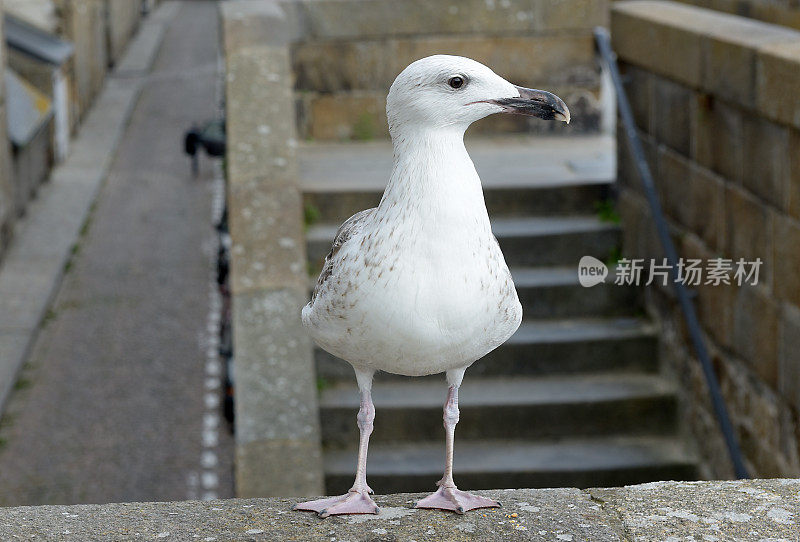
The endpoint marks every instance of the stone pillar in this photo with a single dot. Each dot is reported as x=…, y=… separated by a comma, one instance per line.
x=278, y=446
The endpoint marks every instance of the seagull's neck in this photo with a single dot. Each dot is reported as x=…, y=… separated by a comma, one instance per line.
x=434, y=181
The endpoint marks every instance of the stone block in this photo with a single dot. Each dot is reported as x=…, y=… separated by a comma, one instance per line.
x=248, y=23
x=671, y=109
x=755, y=331
x=574, y=14
x=335, y=66
x=639, y=88
x=749, y=230
x=717, y=137
x=627, y=173
x=659, y=36
x=786, y=260
x=727, y=515
x=385, y=18
x=275, y=375
x=766, y=162
x=673, y=183
x=778, y=82
x=730, y=51
x=268, y=244
x=713, y=302
x=793, y=190
x=278, y=468
x=706, y=207
x=352, y=115
x=789, y=354
x=260, y=116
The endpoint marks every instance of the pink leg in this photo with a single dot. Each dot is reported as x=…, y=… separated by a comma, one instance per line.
x=448, y=496
x=357, y=500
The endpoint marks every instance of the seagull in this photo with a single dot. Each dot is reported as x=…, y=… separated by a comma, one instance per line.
x=418, y=285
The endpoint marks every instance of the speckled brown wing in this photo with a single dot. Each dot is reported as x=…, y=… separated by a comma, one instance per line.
x=344, y=233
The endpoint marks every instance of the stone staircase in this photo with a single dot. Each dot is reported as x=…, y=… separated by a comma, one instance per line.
x=574, y=398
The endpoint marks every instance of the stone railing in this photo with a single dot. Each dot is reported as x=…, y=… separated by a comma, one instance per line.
x=715, y=100
x=744, y=511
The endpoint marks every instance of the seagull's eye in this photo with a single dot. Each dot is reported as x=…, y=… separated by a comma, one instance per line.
x=456, y=82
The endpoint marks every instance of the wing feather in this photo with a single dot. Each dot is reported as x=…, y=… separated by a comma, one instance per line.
x=345, y=232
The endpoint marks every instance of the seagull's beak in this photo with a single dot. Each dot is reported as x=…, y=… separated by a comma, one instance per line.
x=535, y=103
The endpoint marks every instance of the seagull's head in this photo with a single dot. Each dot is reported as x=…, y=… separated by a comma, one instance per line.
x=452, y=91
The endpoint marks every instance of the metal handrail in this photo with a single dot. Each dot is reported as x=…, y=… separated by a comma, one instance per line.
x=687, y=307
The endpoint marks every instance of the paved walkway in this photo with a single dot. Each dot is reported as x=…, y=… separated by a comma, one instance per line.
x=115, y=403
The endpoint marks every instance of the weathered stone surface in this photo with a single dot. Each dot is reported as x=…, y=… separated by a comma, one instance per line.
x=786, y=258
x=383, y=18
x=275, y=375
x=264, y=22
x=766, y=162
x=333, y=66
x=639, y=88
x=260, y=116
x=789, y=354
x=755, y=331
x=730, y=57
x=793, y=191
x=660, y=36
x=671, y=122
x=707, y=206
x=778, y=81
x=739, y=510
x=717, y=137
x=749, y=230
x=268, y=246
x=655, y=512
x=351, y=115
x=575, y=14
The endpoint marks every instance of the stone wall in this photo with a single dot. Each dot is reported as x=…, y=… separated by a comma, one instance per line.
x=655, y=512
x=278, y=450
x=715, y=100
x=352, y=50
x=782, y=12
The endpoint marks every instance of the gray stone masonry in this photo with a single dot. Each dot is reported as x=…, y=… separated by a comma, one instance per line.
x=715, y=100
x=742, y=510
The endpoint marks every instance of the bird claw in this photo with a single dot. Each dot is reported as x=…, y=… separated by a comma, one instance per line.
x=452, y=498
x=354, y=502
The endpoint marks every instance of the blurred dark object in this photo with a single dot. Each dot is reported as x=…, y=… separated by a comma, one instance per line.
x=209, y=136
x=225, y=331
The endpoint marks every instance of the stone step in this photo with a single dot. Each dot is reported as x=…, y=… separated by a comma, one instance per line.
x=530, y=408
x=554, y=292
x=336, y=206
x=525, y=241
x=549, y=347
x=486, y=464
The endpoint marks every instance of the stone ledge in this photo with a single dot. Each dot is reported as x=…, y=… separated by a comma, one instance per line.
x=738, y=510
x=749, y=63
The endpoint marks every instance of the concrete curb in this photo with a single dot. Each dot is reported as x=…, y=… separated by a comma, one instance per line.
x=33, y=267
